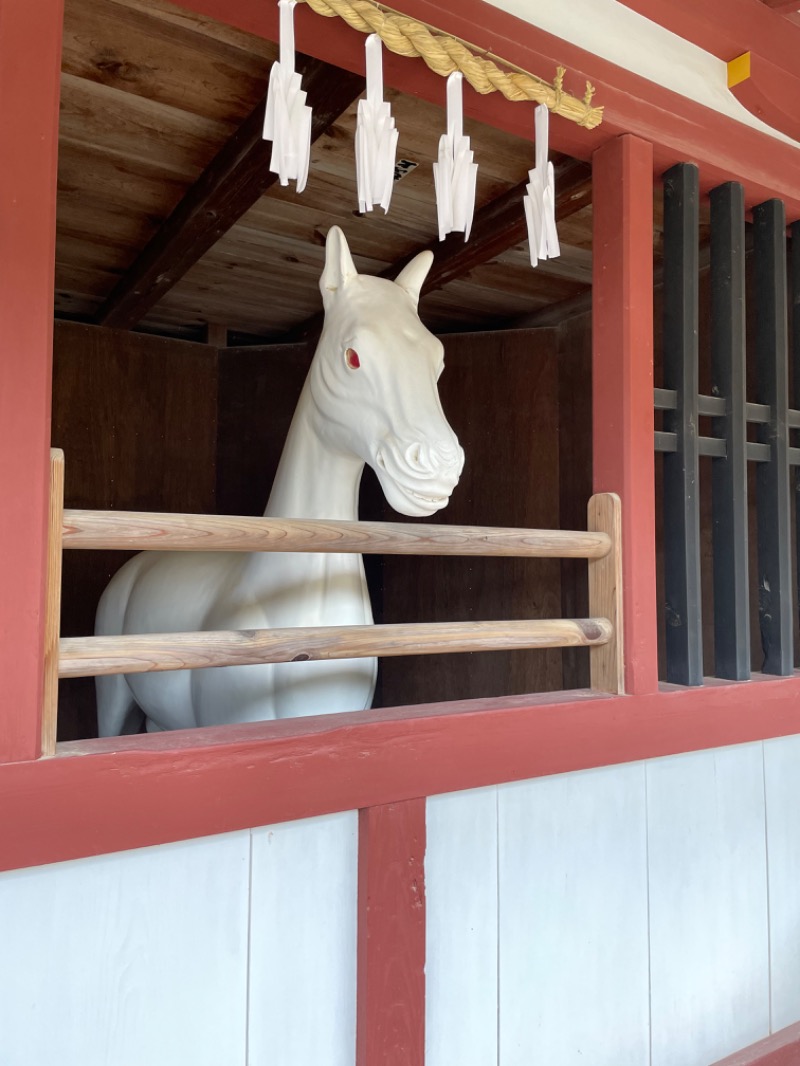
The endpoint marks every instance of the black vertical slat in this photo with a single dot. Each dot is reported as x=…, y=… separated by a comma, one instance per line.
x=772, y=485
x=683, y=629
x=729, y=475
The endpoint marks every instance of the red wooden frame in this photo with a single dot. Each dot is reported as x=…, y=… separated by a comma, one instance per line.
x=130, y=792
x=622, y=382
x=391, y=935
x=780, y=1049
x=30, y=55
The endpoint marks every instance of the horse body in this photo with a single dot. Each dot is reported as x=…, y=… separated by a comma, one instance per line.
x=370, y=397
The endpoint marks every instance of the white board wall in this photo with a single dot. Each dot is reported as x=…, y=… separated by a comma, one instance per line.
x=235, y=950
x=639, y=915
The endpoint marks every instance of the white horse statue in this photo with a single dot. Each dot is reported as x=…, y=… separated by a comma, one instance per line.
x=370, y=396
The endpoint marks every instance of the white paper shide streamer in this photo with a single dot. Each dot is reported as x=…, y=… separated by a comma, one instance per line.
x=376, y=136
x=287, y=119
x=455, y=173
x=540, y=200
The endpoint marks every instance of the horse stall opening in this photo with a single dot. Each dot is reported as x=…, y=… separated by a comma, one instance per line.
x=158, y=424
x=169, y=221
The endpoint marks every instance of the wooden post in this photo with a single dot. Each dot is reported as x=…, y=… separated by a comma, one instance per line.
x=729, y=474
x=622, y=382
x=607, y=667
x=52, y=611
x=390, y=1013
x=684, y=628
x=772, y=484
x=30, y=61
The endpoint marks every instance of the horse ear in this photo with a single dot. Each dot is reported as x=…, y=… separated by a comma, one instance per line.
x=412, y=276
x=339, y=266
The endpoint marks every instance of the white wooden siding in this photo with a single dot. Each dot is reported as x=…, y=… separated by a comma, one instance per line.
x=782, y=775
x=461, y=891
x=128, y=959
x=235, y=950
x=708, y=905
x=648, y=914
x=573, y=920
x=303, y=943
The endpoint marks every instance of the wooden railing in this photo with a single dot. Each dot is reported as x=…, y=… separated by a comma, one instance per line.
x=86, y=656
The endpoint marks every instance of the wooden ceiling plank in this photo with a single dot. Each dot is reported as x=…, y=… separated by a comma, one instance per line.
x=226, y=189
x=502, y=223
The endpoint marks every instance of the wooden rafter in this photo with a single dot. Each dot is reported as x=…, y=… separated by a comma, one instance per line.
x=501, y=224
x=497, y=226
x=230, y=185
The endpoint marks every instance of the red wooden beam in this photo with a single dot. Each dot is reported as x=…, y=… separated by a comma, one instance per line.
x=783, y=7
x=780, y=1049
x=622, y=382
x=771, y=94
x=727, y=28
x=30, y=59
x=130, y=792
x=391, y=935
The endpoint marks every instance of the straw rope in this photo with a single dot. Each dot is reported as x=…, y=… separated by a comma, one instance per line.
x=445, y=54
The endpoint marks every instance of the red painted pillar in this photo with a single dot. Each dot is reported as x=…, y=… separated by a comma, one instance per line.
x=391, y=935
x=622, y=381
x=30, y=60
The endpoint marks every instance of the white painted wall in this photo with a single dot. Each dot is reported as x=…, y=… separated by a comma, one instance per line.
x=638, y=915
x=235, y=950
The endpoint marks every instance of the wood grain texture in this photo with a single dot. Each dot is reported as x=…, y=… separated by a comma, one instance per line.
x=461, y=929
x=302, y=990
x=52, y=616
x=391, y=935
x=622, y=382
x=237, y=176
x=176, y=532
x=146, y=957
x=131, y=654
x=572, y=888
x=30, y=45
x=137, y=419
x=782, y=785
x=607, y=665
x=708, y=904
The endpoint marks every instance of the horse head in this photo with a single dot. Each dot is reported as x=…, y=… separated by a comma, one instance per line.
x=374, y=381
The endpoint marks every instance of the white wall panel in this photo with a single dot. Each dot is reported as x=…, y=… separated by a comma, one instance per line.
x=573, y=920
x=782, y=776
x=303, y=943
x=461, y=909
x=128, y=959
x=708, y=905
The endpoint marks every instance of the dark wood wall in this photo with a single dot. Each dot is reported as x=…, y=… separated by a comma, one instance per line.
x=154, y=424
x=136, y=417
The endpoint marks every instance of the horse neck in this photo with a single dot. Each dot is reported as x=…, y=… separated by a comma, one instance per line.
x=312, y=481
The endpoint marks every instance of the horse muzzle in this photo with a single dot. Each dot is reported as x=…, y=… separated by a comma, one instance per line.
x=418, y=478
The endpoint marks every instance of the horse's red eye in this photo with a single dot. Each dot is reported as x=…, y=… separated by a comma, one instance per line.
x=351, y=358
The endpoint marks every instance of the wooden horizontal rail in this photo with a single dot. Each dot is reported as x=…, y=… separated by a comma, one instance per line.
x=139, y=530
x=92, y=656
